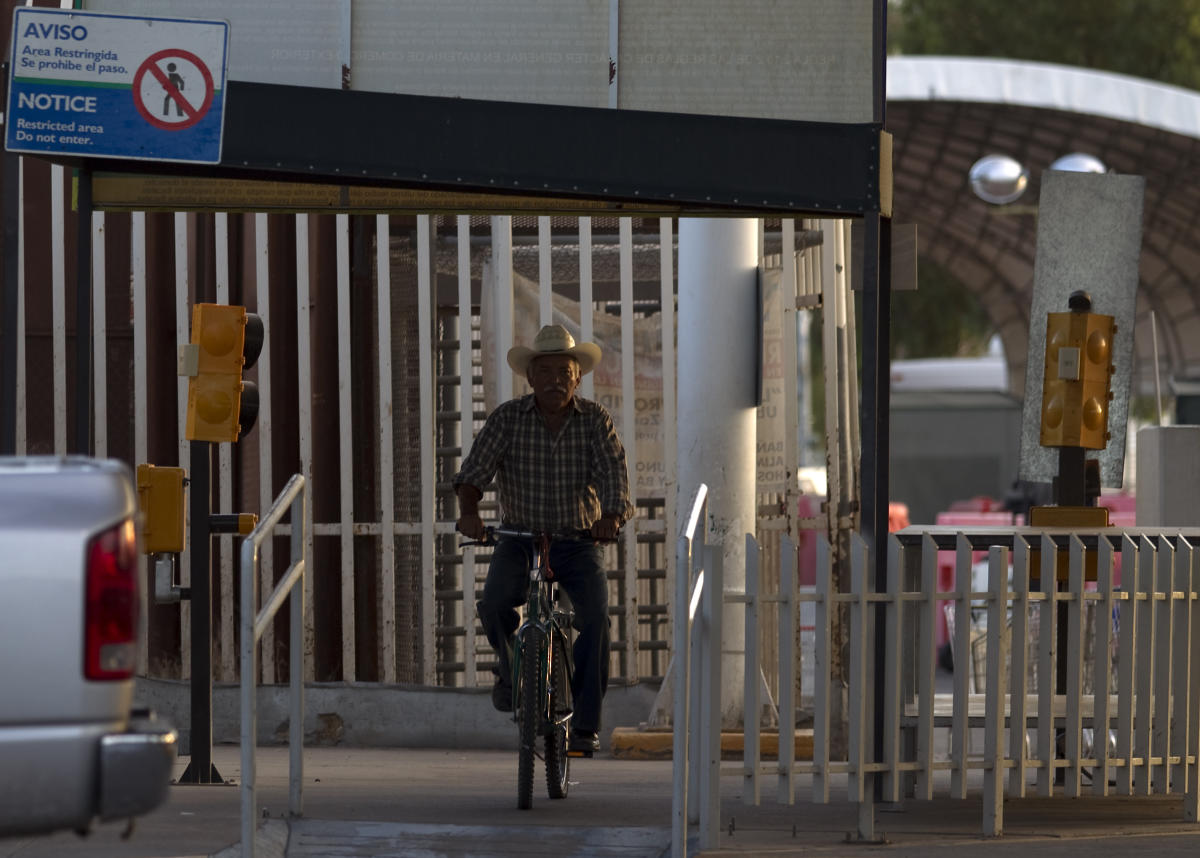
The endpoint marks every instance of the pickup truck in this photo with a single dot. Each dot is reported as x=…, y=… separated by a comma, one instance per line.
x=72, y=749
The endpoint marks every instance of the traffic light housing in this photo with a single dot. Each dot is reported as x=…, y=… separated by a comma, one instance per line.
x=160, y=496
x=226, y=341
x=1076, y=384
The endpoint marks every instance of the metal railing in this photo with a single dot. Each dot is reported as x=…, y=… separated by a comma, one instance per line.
x=294, y=497
x=695, y=764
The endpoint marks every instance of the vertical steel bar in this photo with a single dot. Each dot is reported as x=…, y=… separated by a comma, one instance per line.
x=1047, y=662
x=788, y=679
x=1160, y=741
x=587, y=387
x=21, y=407
x=892, y=633
x=301, y=553
x=1191, y=802
x=997, y=652
x=629, y=437
x=1145, y=653
x=428, y=506
x=710, y=783
x=58, y=303
x=387, y=461
x=225, y=473
x=823, y=270
x=859, y=690
x=1126, y=635
x=1073, y=732
x=248, y=693
x=1181, y=634
x=666, y=267
x=183, y=335
x=137, y=278
x=1102, y=661
x=11, y=347
x=927, y=668
x=681, y=725
x=345, y=449
x=822, y=681
x=83, y=310
x=545, y=280
x=959, y=728
x=466, y=410
x=1018, y=733
x=750, y=678
x=99, y=381
x=262, y=298
x=696, y=679
x=305, y=429
x=502, y=269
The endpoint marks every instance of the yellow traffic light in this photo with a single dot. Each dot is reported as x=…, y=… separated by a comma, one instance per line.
x=226, y=341
x=160, y=495
x=1075, y=387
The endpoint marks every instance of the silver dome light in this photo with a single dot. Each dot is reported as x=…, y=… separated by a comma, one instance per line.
x=998, y=179
x=1079, y=162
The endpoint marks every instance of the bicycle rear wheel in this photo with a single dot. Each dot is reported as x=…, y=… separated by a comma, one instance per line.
x=528, y=714
x=557, y=762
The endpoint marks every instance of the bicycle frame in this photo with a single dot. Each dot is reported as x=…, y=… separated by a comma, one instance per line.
x=541, y=689
x=540, y=614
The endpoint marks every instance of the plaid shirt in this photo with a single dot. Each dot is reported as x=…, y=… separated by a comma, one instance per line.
x=554, y=483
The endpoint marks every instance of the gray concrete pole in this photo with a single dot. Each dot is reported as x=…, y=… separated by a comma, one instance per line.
x=718, y=320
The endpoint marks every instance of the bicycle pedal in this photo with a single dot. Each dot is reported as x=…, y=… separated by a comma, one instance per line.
x=581, y=753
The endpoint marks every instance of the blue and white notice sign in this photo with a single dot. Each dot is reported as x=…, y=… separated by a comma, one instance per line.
x=114, y=86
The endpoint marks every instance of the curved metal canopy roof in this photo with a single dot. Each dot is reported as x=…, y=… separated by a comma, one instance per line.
x=946, y=113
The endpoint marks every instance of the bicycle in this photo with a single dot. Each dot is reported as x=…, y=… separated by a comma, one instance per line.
x=541, y=672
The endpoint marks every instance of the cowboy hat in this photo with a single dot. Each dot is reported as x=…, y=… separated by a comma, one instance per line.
x=554, y=340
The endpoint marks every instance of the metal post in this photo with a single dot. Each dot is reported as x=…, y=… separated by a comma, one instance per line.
x=201, y=769
x=679, y=739
x=249, y=688
x=83, y=312
x=713, y=606
x=11, y=238
x=296, y=659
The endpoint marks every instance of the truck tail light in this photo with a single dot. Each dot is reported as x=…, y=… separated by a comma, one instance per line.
x=111, y=615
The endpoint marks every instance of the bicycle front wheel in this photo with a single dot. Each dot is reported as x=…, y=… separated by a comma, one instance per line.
x=557, y=762
x=528, y=714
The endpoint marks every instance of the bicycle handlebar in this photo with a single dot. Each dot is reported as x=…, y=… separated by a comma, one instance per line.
x=493, y=531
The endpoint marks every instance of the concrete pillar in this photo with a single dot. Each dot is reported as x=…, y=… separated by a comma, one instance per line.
x=718, y=320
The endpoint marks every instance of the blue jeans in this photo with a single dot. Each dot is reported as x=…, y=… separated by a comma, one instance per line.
x=578, y=570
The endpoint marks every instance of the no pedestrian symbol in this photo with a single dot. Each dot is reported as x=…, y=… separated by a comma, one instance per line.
x=173, y=89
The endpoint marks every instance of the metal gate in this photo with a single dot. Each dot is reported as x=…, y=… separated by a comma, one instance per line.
x=384, y=334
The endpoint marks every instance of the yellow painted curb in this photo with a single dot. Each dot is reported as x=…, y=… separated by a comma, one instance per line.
x=632, y=743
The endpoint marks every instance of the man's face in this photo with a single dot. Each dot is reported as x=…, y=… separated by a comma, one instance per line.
x=553, y=379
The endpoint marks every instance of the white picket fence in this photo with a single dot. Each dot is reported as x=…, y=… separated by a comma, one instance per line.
x=1124, y=719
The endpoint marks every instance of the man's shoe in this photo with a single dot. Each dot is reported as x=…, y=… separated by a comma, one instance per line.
x=502, y=695
x=584, y=741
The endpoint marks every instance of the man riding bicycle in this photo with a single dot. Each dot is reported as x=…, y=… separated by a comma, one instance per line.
x=560, y=468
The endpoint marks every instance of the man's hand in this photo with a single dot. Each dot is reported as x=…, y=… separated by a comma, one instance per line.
x=471, y=526
x=469, y=523
x=605, y=527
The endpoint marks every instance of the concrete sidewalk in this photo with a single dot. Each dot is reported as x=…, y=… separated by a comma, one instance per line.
x=428, y=802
